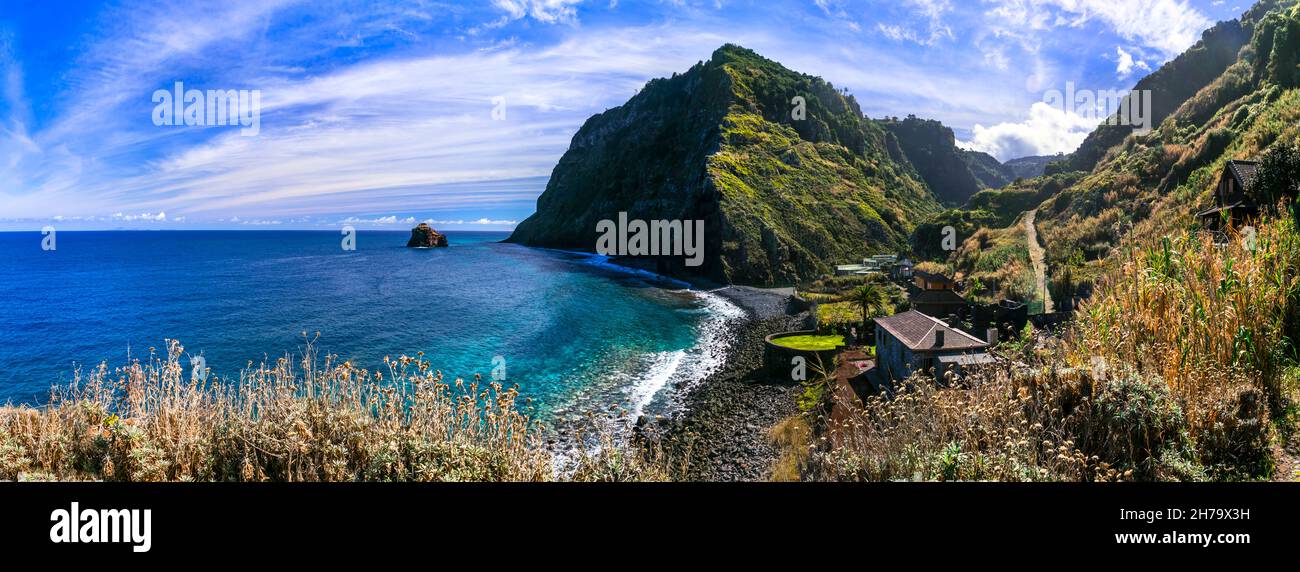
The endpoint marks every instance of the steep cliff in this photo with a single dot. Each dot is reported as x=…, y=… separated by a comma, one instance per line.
x=784, y=170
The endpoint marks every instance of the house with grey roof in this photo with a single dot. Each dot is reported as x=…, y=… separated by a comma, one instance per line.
x=1234, y=204
x=912, y=341
x=903, y=269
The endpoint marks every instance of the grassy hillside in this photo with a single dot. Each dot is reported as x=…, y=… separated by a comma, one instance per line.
x=783, y=198
x=1182, y=365
x=1153, y=185
x=797, y=196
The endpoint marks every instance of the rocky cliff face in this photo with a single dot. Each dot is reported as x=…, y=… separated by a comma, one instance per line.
x=952, y=174
x=423, y=236
x=786, y=173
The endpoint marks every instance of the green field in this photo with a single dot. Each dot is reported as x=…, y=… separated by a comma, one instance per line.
x=810, y=342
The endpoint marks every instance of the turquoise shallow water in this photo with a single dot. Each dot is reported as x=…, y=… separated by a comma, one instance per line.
x=574, y=332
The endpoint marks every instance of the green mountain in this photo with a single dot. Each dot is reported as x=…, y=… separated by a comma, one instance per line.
x=952, y=174
x=988, y=171
x=1155, y=183
x=1171, y=86
x=785, y=187
x=1231, y=96
x=1030, y=167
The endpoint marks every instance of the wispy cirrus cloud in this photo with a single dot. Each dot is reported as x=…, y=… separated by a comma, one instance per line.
x=388, y=112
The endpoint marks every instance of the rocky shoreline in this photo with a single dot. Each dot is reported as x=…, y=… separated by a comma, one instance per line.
x=723, y=430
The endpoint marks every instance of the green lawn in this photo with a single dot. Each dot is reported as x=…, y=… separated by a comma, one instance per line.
x=810, y=343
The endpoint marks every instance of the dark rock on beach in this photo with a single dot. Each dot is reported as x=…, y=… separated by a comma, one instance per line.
x=423, y=236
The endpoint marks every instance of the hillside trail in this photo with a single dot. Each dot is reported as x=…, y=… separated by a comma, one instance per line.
x=1036, y=256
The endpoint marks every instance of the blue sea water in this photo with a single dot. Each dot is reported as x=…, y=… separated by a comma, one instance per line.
x=576, y=333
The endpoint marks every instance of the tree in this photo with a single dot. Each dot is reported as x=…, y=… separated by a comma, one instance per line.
x=1278, y=176
x=870, y=298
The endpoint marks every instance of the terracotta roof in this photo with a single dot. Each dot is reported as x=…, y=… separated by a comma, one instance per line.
x=916, y=331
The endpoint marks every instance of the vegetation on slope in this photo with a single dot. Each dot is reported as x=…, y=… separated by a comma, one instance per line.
x=995, y=264
x=1169, y=374
x=1172, y=85
x=1031, y=167
x=783, y=197
x=1183, y=365
x=948, y=171
x=1152, y=185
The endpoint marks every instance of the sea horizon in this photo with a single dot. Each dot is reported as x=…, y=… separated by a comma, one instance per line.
x=500, y=333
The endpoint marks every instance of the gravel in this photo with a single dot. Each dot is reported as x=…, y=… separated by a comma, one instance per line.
x=723, y=431
x=759, y=303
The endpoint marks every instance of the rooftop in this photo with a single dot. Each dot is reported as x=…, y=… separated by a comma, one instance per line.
x=917, y=332
x=1245, y=171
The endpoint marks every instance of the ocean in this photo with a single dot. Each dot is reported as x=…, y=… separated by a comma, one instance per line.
x=575, y=332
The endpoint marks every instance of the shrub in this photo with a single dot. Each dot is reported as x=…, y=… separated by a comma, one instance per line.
x=309, y=420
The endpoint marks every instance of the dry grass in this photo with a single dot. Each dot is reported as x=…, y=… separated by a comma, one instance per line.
x=1183, y=308
x=792, y=437
x=1174, y=371
x=1051, y=425
x=310, y=419
x=997, y=261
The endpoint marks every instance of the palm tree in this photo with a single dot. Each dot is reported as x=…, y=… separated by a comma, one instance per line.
x=871, y=298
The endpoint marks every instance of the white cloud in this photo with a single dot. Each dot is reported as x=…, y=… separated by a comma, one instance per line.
x=391, y=219
x=382, y=134
x=1047, y=131
x=147, y=217
x=548, y=11
x=1126, y=65
x=1168, y=26
x=463, y=222
x=933, y=28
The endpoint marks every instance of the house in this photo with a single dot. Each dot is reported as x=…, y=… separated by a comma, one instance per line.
x=880, y=263
x=912, y=341
x=927, y=281
x=1233, y=203
x=903, y=269
x=939, y=303
x=881, y=260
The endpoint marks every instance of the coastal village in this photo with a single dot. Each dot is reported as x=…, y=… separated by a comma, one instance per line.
x=908, y=318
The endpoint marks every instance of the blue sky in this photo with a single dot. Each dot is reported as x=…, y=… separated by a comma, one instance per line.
x=381, y=114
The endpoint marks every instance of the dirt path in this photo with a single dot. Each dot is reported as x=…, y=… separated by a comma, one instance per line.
x=1036, y=256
